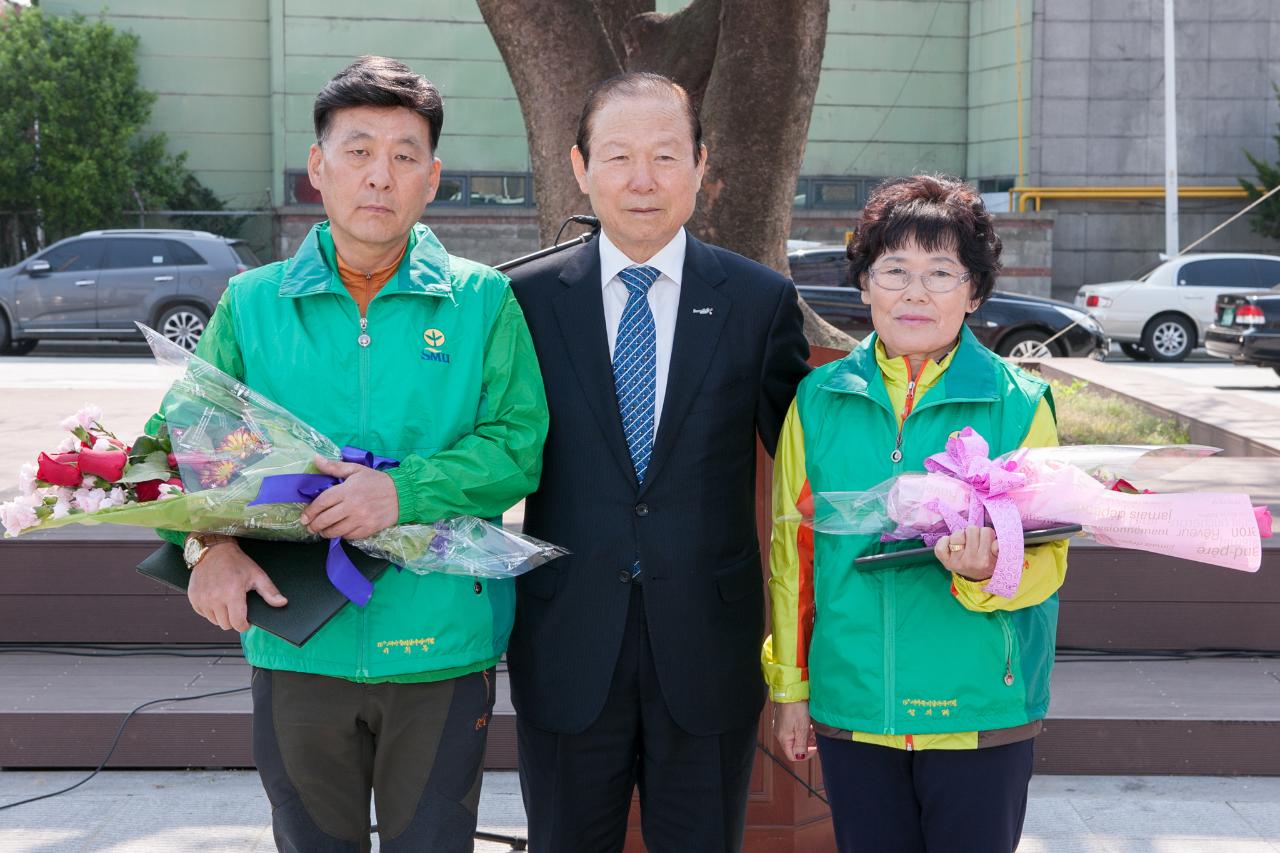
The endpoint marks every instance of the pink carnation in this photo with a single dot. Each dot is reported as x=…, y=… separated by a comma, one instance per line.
x=90, y=500
x=19, y=514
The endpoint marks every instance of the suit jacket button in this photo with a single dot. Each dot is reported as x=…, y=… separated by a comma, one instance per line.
x=624, y=576
x=642, y=510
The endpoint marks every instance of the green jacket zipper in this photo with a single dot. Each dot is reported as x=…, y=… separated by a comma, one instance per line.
x=1003, y=619
x=363, y=341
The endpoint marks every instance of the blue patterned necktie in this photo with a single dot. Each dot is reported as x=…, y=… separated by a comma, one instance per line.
x=635, y=367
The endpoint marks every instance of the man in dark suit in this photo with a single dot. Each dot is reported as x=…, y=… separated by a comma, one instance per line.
x=635, y=659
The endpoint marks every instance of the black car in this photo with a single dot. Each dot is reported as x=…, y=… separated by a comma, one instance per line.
x=1015, y=325
x=1246, y=328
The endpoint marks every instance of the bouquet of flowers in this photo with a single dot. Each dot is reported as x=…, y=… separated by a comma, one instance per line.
x=228, y=460
x=1030, y=489
x=92, y=473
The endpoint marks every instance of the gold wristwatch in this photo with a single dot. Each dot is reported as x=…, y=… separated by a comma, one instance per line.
x=197, y=546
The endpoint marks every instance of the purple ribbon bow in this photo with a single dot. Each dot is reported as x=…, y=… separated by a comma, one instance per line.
x=967, y=458
x=304, y=488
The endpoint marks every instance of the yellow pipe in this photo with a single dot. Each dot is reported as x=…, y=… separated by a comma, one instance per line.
x=1116, y=193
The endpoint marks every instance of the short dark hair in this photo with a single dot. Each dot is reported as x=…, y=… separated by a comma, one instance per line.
x=935, y=212
x=376, y=81
x=630, y=85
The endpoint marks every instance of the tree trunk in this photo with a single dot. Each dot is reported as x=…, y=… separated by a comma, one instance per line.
x=751, y=65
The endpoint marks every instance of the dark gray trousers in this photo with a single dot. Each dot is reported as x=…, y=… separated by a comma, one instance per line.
x=323, y=745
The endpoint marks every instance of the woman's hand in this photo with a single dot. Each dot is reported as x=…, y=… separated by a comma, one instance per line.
x=792, y=729
x=970, y=552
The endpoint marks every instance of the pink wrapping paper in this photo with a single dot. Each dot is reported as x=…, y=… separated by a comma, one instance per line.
x=965, y=487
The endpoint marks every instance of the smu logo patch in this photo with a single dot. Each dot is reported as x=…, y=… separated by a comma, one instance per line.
x=434, y=339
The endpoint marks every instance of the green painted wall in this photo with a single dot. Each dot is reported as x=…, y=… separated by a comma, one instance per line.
x=208, y=65
x=999, y=53
x=891, y=98
x=483, y=128
x=906, y=85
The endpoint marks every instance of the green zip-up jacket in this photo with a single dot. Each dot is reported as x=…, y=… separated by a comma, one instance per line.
x=447, y=383
x=892, y=651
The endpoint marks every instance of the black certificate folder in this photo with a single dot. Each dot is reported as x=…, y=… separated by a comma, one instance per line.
x=296, y=568
x=911, y=556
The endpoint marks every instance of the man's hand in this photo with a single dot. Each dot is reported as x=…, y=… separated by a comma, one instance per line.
x=970, y=553
x=364, y=504
x=220, y=582
x=792, y=729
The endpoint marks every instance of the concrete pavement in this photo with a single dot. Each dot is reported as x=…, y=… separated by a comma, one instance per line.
x=226, y=812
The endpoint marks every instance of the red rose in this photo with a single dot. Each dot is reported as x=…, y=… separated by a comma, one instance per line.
x=107, y=464
x=59, y=470
x=148, y=490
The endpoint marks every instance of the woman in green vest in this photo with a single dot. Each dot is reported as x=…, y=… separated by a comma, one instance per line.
x=925, y=692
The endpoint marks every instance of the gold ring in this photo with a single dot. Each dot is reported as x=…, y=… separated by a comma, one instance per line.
x=955, y=548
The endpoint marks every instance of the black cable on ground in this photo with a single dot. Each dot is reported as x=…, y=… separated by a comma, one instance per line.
x=116, y=740
x=1066, y=654
x=108, y=651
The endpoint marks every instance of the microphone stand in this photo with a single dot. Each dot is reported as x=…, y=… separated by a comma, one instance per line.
x=558, y=247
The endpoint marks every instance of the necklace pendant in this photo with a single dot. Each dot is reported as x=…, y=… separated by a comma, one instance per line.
x=896, y=456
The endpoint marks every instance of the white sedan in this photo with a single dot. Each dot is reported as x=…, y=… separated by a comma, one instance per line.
x=1163, y=316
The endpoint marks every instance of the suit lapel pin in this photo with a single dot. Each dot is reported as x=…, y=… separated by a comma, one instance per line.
x=706, y=311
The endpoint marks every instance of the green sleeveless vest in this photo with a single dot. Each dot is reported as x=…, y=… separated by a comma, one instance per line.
x=893, y=651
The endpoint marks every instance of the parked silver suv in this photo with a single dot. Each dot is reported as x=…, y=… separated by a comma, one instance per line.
x=95, y=285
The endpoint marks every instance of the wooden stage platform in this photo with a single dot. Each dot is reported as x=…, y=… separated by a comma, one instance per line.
x=61, y=705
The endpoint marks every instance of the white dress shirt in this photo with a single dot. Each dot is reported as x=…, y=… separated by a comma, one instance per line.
x=664, y=301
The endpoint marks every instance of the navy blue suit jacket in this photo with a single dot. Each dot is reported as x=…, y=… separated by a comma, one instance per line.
x=692, y=524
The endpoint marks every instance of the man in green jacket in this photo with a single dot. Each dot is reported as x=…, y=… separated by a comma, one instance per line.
x=378, y=338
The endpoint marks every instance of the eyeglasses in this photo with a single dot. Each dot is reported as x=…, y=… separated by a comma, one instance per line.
x=934, y=281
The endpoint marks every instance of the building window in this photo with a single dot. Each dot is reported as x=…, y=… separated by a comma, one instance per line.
x=457, y=189
x=995, y=185
x=832, y=192
x=298, y=189
x=802, y=193
x=453, y=189
x=843, y=194
x=499, y=189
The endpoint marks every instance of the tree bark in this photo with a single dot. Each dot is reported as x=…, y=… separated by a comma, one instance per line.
x=751, y=65
x=555, y=51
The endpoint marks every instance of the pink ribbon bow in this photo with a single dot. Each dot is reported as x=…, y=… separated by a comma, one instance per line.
x=967, y=458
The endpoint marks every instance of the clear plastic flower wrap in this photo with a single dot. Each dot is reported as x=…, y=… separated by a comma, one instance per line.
x=246, y=466
x=1031, y=489
x=228, y=439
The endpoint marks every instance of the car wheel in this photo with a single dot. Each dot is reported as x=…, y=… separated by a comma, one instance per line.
x=1169, y=338
x=1026, y=344
x=1134, y=352
x=183, y=325
x=8, y=346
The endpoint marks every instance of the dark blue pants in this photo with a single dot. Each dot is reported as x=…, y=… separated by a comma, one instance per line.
x=886, y=800
x=577, y=787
